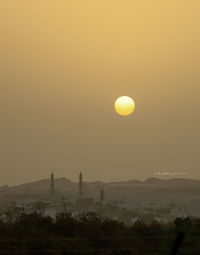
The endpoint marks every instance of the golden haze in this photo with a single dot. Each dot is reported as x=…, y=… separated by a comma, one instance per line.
x=64, y=62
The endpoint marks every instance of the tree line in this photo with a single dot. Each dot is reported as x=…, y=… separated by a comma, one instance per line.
x=94, y=233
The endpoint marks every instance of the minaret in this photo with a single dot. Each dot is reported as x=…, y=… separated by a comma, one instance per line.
x=80, y=184
x=101, y=196
x=52, y=183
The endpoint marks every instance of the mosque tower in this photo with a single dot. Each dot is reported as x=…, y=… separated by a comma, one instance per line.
x=101, y=196
x=80, y=184
x=52, y=183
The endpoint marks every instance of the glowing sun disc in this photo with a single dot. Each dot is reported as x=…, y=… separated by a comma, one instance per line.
x=124, y=105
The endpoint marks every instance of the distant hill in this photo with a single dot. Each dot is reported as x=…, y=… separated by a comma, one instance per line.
x=41, y=189
x=36, y=189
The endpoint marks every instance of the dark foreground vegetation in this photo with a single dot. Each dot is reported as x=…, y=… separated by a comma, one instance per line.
x=91, y=233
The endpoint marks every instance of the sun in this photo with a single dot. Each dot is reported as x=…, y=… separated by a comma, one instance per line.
x=124, y=105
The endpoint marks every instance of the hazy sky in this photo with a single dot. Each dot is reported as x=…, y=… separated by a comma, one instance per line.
x=62, y=65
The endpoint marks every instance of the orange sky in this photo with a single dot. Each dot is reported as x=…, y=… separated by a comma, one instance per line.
x=63, y=64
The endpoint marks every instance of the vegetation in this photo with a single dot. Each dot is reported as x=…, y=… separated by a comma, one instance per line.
x=92, y=233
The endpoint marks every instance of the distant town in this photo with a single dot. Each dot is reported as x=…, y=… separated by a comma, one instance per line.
x=152, y=199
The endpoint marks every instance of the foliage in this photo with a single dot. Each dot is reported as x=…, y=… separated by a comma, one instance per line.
x=92, y=233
